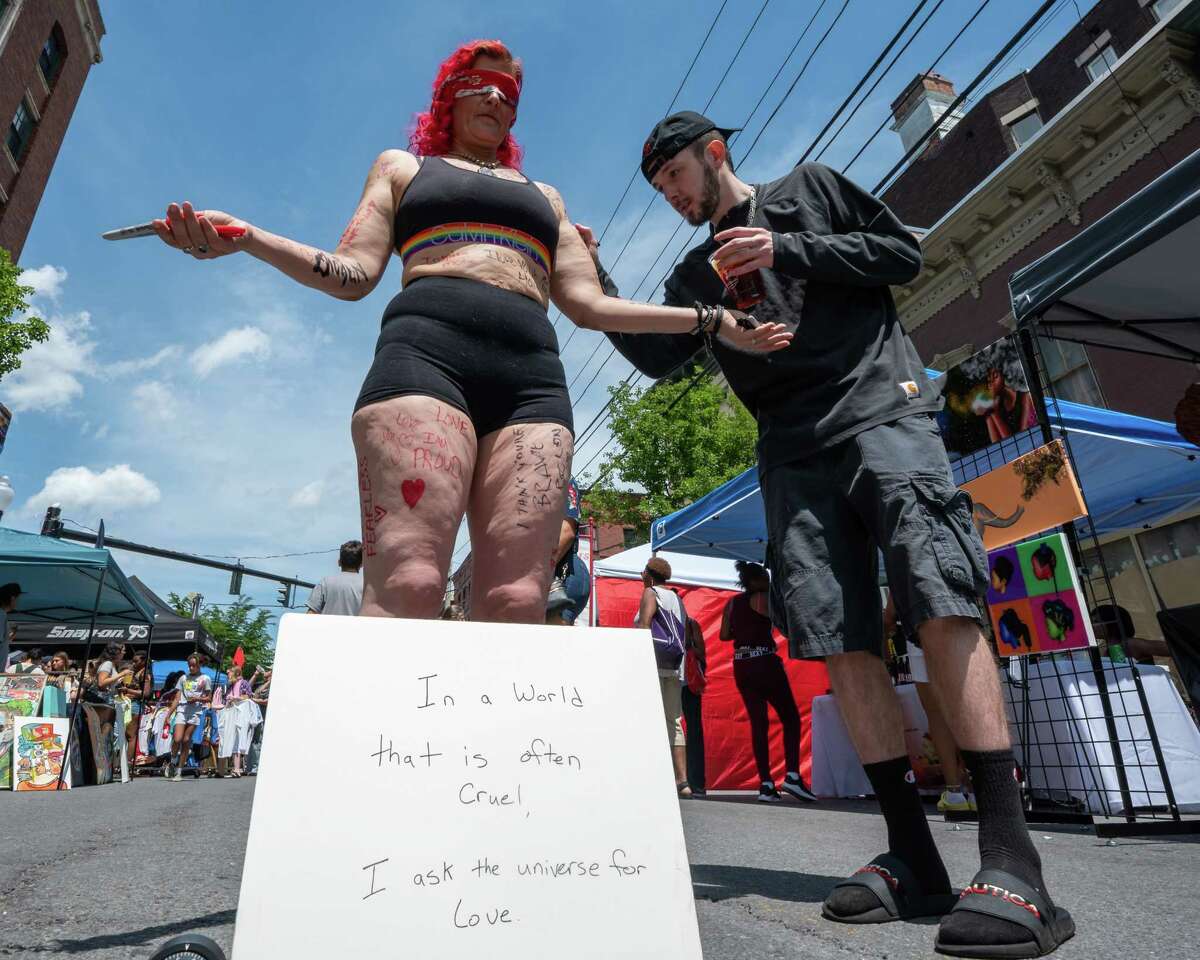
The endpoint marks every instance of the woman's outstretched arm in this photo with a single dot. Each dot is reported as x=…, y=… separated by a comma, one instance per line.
x=349, y=272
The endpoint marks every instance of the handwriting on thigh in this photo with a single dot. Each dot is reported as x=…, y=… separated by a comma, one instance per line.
x=540, y=469
x=426, y=445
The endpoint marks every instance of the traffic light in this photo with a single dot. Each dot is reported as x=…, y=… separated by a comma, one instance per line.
x=235, y=581
x=285, y=595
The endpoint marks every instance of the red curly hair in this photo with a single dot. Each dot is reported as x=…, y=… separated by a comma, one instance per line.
x=431, y=132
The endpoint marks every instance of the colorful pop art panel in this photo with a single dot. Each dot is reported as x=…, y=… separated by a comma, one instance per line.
x=20, y=693
x=1033, y=493
x=1034, y=600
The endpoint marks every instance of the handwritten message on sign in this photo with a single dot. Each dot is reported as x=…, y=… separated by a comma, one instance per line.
x=492, y=790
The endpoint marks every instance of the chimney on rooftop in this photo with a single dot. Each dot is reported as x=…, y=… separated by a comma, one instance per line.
x=922, y=104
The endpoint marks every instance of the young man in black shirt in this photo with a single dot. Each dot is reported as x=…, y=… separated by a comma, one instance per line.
x=849, y=458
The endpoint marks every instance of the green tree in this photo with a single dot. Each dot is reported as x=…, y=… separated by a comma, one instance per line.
x=240, y=623
x=675, y=441
x=16, y=336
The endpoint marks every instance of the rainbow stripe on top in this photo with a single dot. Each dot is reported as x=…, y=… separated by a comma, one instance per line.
x=464, y=232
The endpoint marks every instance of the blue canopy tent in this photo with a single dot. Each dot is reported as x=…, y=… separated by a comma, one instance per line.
x=67, y=582
x=1135, y=472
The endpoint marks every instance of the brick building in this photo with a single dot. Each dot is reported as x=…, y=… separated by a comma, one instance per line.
x=47, y=48
x=1112, y=105
x=1041, y=156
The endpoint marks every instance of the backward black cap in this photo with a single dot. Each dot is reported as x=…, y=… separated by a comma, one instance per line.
x=671, y=135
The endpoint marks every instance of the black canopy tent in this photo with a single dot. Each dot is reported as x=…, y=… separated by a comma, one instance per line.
x=1130, y=280
x=1127, y=282
x=175, y=636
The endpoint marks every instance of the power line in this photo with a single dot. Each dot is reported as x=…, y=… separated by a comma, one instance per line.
x=650, y=204
x=803, y=70
x=878, y=80
x=870, y=70
x=938, y=59
x=924, y=138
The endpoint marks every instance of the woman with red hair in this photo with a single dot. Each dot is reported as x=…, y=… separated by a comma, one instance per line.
x=465, y=407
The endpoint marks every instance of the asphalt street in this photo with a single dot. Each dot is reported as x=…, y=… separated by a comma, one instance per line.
x=113, y=872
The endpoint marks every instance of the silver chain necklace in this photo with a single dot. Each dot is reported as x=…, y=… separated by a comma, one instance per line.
x=486, y=167
x=753, y=206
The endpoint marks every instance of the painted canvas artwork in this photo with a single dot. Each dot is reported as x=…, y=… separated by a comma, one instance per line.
x=20, y=693
x=1034, y=599
x=987, y=399
x=99, y=720
x=39, y=746
x=1031, y=494
x=6, y=742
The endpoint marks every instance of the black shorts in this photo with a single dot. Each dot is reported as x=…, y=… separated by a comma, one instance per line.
x=888, y=489
x=489, y=352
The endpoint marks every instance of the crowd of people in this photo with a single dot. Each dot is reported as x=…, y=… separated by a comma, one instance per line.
x=188, y=723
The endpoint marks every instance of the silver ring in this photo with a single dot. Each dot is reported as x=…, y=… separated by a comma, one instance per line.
x=202, y=248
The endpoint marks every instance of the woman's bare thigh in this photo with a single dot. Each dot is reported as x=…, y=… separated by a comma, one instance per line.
x=515, y=514
x=416, y=459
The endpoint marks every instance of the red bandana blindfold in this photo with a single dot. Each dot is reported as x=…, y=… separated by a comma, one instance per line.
x=476, y=83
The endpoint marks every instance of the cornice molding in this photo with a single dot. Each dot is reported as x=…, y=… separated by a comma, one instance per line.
x=1083, y=149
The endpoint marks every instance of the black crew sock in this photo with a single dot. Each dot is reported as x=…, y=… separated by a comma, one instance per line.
x=909, y=838
x=1004, y=844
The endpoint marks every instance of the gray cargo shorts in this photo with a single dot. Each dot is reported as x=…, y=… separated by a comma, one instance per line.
x=886, y=491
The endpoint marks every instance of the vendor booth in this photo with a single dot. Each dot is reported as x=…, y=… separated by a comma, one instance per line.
x=706, y=584
x=49, y=746
x=1096, y=740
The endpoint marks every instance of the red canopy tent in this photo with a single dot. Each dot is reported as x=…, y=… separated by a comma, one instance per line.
x=706, y=585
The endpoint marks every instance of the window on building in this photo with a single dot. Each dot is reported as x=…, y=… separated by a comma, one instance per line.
x=1068, y=368
x=1172, y=555
x=1164, y=8
x=1023, y=130
x=51, y=58
x=20, y=132
x=630, y=537
x=1129, y=587
x=1097, y=68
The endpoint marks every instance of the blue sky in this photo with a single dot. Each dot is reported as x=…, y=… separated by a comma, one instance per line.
x=205, y=407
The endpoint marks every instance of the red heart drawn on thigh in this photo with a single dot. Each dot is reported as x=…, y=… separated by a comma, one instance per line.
x=412, y=491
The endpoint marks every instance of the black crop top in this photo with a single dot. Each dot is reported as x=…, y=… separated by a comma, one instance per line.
x=446, y=204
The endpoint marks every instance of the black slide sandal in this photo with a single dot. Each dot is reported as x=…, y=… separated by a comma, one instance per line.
x=888, y=878
x=997, y=893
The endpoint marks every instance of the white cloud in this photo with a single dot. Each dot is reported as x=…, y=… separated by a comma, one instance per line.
x=101, y=432
x=308, y=495
x=123, y=368
x=155, y=400
x=46, y=281
x=79, y=489
x=49, y=374
x=229, y=348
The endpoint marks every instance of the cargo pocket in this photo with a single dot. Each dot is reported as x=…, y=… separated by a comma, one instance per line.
x=956, y=545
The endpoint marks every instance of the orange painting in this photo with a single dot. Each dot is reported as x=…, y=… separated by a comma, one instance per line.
x=1032, y=493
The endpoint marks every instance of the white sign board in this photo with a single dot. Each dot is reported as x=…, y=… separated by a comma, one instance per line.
x=445, y=790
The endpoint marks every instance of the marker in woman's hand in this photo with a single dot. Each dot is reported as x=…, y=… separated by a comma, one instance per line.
x=227, y=231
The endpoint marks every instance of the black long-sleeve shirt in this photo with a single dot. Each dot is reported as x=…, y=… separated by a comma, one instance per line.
x=851, y=366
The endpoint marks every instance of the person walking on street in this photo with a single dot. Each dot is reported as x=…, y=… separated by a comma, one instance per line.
x=193, y=693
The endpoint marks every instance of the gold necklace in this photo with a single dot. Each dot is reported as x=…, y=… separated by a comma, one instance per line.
x=486, y=167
